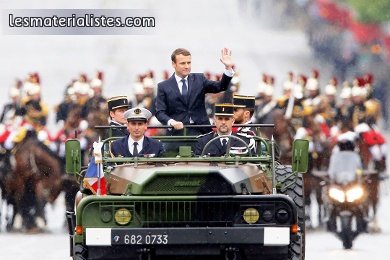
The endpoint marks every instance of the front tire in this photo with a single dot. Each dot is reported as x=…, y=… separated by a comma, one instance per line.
x=346, y=232
x=295, y=192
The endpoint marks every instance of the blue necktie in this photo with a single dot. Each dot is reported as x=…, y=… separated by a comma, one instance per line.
x=135, y=150
x=184, y=91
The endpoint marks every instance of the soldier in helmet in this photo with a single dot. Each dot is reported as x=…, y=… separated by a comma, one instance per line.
x=97, y=102
x=117, y=106
x=35, y=114
x=244, y=108
x=224, y=119
x=362, y=117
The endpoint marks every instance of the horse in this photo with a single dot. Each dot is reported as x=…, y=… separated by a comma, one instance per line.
x=34, y=180
x=319, y=160
x=283, y=133
x=373, y=184
x=75, y=127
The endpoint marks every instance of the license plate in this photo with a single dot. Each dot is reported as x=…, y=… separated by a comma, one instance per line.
x=141, y=239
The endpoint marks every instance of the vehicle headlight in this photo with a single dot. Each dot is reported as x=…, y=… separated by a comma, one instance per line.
x=354, y=194
x=251, y=215
x=122, y=216
x=337, y=194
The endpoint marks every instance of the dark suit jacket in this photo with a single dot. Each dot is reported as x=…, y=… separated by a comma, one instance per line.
x=215, y=149
x=117, y=131
x=150, y=146
x=170, y=104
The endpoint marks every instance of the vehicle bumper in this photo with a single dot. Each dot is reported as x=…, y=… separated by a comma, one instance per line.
x=107, y=243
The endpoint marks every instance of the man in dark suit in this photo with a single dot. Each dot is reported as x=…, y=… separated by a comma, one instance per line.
x=181, y=98
x=117, y=106
x=224, y=121
x=244, y=108
x=137, y=144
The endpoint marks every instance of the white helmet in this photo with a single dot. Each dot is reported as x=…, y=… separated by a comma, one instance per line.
x=330, y=90
x=312, y=84
x=14, y=92
x=138, y=88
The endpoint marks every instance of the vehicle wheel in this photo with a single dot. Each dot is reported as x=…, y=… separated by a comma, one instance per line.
x=295, y=192
x=80, y=253
x=346, y=232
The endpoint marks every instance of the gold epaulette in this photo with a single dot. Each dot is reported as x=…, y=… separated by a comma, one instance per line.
x=24, y=100
x=371, y=107
x=307, y=110
x=20, y=135
x=282, y=100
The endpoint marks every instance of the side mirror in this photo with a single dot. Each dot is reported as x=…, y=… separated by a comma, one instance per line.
x=73, y=156
x=300, y=158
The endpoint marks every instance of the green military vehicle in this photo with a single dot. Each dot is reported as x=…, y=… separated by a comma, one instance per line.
x=180, y=206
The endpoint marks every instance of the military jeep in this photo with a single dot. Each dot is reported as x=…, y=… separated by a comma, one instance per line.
x=183, y=206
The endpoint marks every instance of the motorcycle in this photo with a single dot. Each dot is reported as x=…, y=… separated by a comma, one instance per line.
x=346, y=206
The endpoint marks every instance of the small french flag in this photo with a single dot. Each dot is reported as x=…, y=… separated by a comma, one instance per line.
x=95, y=167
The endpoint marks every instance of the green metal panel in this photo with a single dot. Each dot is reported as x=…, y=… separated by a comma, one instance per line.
x=73, y=156
x=300, y=157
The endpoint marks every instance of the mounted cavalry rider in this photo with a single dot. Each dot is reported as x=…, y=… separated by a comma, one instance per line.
x=363, y=117
x=224, y=119
x=35, y=114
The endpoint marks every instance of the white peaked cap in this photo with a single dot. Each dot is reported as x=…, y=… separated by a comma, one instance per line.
x=330, y=90
x=137, y=113
x=312, y=84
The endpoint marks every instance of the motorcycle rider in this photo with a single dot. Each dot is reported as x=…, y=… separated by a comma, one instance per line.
x=339, y=171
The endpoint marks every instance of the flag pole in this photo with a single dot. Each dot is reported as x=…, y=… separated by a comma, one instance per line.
x=99, y=191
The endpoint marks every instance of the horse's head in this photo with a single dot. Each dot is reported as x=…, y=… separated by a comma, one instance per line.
x=74, y=117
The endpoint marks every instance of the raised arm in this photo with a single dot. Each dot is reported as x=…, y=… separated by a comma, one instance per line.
x=227, y=58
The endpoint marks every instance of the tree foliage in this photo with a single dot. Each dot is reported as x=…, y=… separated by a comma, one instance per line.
x=370, y=11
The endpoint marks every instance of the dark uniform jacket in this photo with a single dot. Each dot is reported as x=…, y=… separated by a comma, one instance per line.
x=215, y=149
x=170, y=104
x=150, y=147
x=250, y=130
x=117, y=131
x=63, y=110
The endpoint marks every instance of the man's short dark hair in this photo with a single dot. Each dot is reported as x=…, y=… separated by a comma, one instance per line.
x=251, y=111
x=178, y=52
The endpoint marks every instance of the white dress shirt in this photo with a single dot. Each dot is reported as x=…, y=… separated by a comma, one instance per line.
x=224, y=138
x=139, y=146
